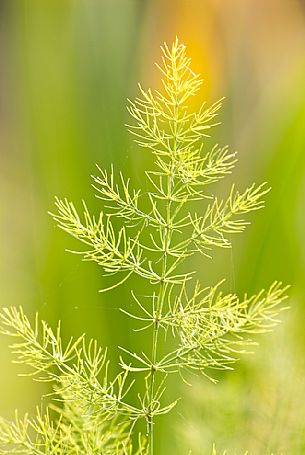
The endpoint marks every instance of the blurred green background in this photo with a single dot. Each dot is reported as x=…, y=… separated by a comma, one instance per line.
x=67, y=67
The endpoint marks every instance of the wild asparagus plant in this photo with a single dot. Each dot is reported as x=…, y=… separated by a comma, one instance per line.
x=190, y=327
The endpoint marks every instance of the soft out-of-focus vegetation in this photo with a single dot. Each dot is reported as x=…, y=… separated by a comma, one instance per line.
x=66, y=70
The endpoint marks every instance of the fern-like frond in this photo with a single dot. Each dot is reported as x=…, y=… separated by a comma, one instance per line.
x=193, y=170
x=163, y=121
x=165, y=124
x=222, y=217
x=39, y=346
x=63, y=435
x=209, y=168
x=121, y=200
x=35, y=436
x=79, y=367
x=215, y=329
x=114, y=251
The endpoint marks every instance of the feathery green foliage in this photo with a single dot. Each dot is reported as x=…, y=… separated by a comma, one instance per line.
x=199, y=329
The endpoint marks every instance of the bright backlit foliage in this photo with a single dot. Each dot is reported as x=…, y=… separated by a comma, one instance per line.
x=199, y=329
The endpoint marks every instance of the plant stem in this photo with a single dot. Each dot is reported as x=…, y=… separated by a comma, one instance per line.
x=158, y=314
x=160, y=303
x=166, y=241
